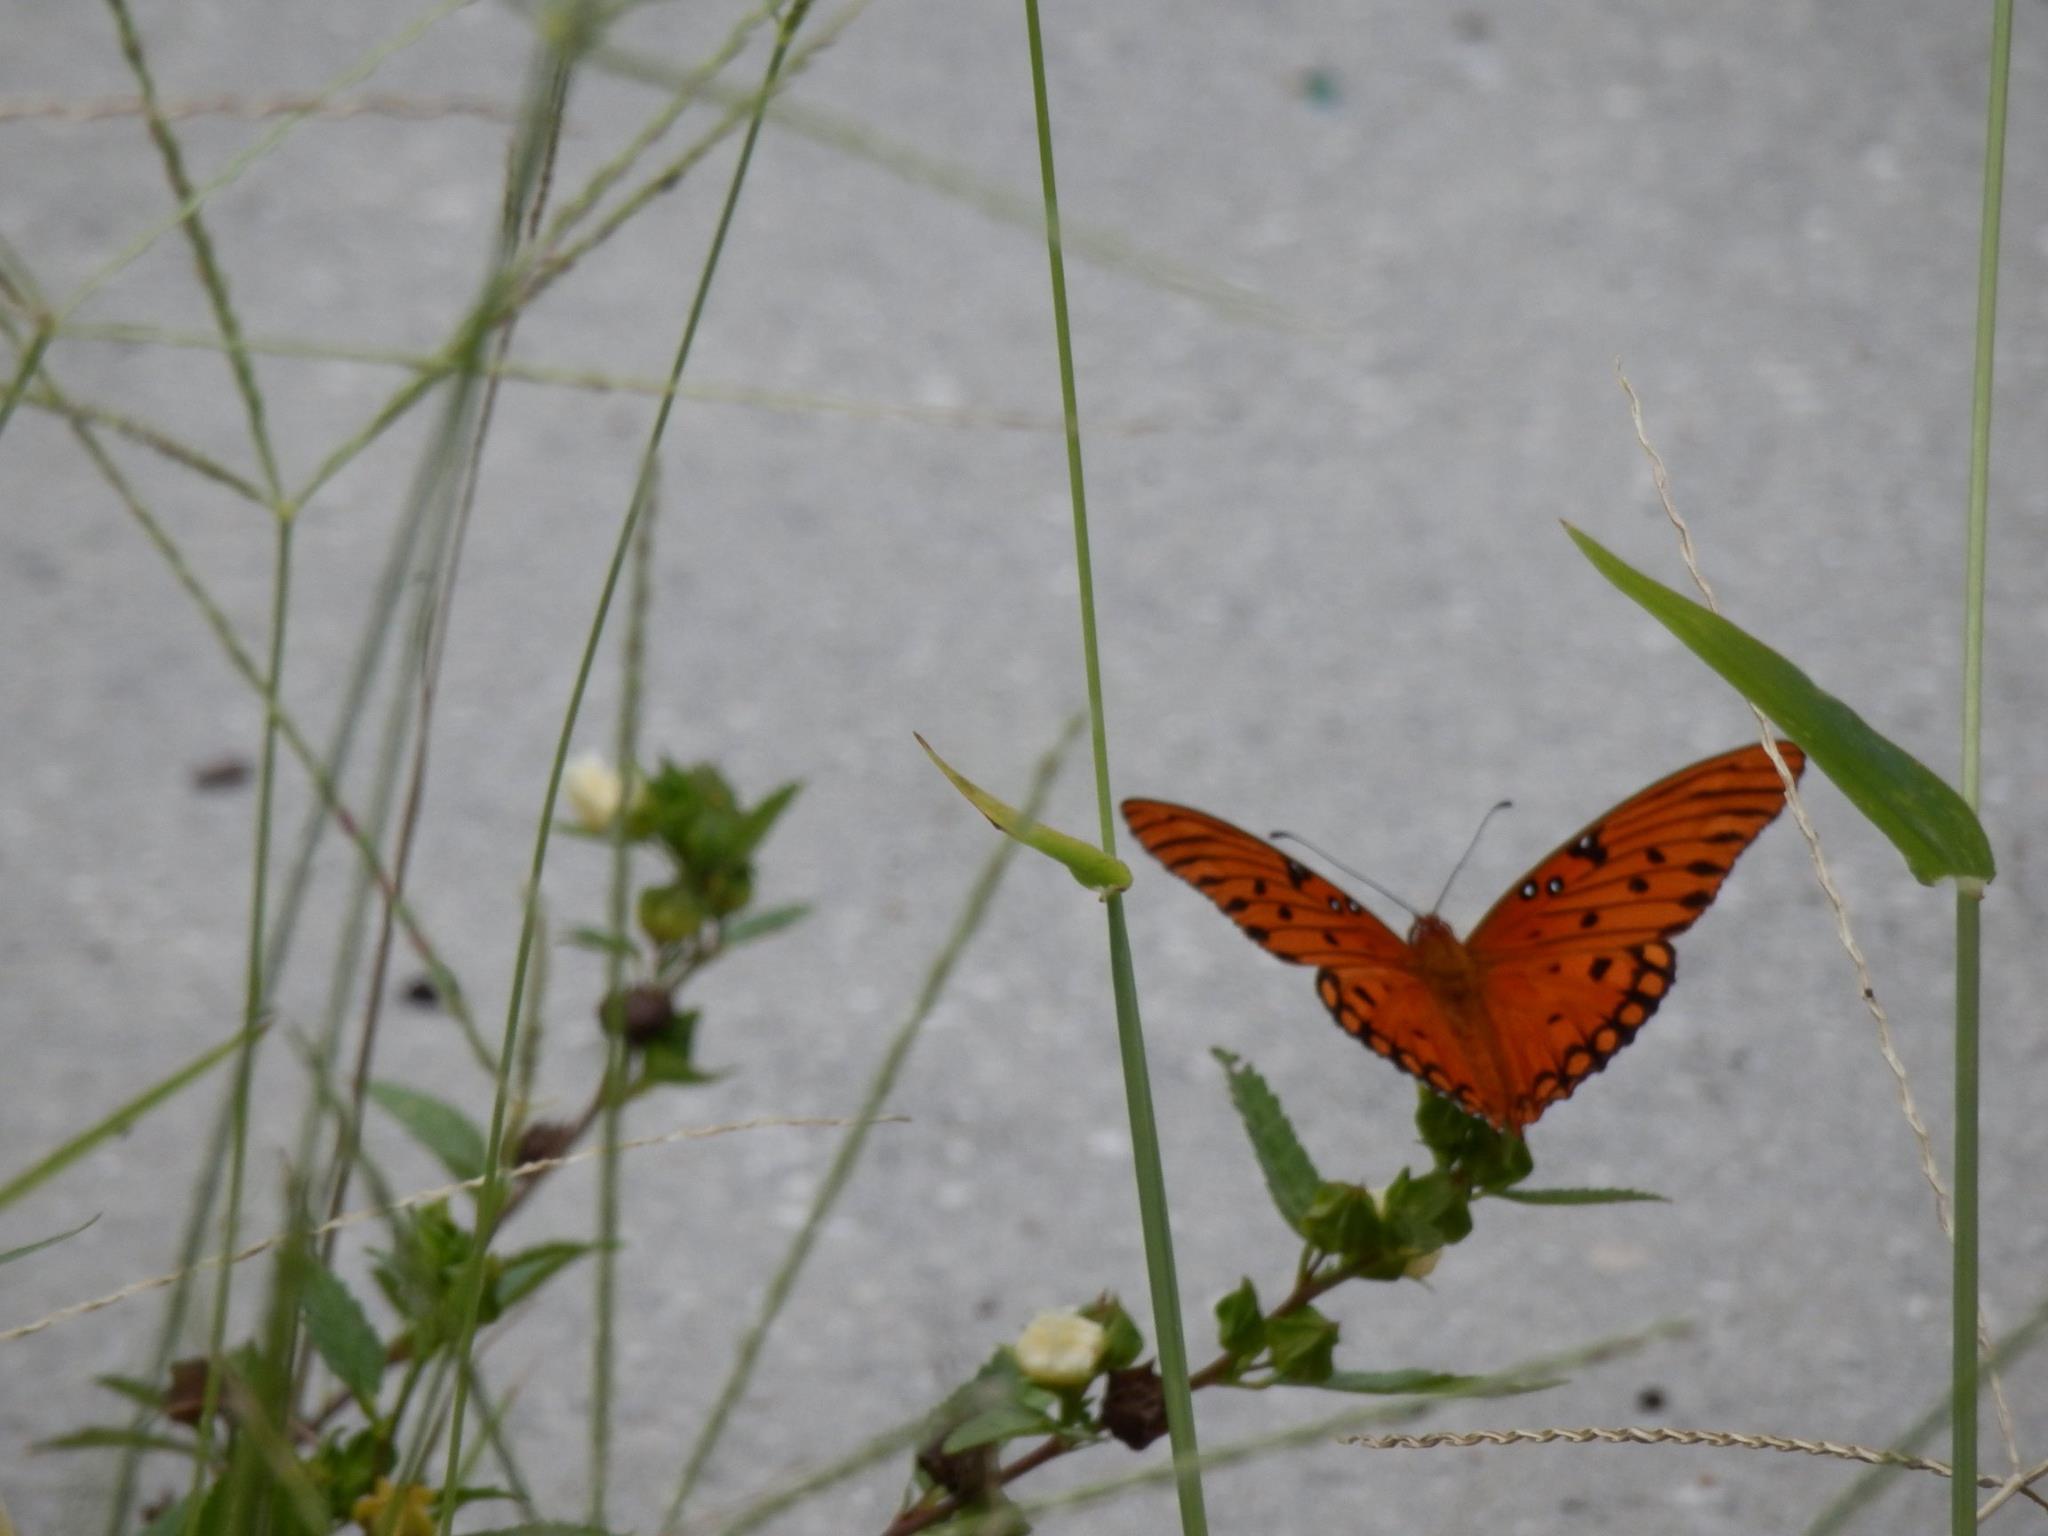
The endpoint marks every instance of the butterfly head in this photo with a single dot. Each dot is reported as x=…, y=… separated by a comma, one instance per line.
x=1441, y=956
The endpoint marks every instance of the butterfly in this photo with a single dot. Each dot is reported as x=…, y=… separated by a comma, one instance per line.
x=1558, y=976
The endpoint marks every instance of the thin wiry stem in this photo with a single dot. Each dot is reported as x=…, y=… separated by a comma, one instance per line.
x=612, y=1095
x=490, y=1202
x=254, y=1002
x=211, y=277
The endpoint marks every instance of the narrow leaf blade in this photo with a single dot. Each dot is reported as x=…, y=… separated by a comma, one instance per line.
x=1580, y=1196
x=28, y=1248
x=1102, y=873
x=1927, y=821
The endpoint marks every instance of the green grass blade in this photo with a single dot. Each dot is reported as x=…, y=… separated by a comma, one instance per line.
x=1928, y=822
x=49, y=1242
x=119, y=1122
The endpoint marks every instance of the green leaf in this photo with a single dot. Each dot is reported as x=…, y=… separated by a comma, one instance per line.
x=603, y=941
x=1344, y=1219
x=436, y=1125
x=754, y=825
x=1241, y=1322
x=1490, y=1159
x=1302, y=1344
x=1290, y=1175
x=48, y=1242
x=529, y=1269
x=1125, y=1342
x=1100, y=872
x=670, y=1056
x=1005, y=1421
x=745, y=930
x=120, y=1121
x=1926, y=820
x=1427, y=1212
x=146, y=1394
x=103, y=1437
x=336, y=1324
x=1579, y=1196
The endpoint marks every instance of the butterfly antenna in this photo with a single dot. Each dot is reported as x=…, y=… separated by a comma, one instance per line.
x=1289, y=837
x=1458, y=868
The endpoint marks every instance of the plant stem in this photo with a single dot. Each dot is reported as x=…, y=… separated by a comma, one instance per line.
x=1146, y=1164
x=1963, y=1341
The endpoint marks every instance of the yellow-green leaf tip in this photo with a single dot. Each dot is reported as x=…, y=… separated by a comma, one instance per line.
x=1100, y=872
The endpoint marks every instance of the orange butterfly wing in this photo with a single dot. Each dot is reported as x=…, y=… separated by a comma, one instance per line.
x=1576, y=958
x=1366, y=977
x=1568, y=965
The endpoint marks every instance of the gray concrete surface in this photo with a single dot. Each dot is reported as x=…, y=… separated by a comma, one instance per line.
x=1334, y=595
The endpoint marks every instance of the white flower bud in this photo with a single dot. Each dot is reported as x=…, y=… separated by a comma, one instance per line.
x=595, y=792
x=1061, y=1349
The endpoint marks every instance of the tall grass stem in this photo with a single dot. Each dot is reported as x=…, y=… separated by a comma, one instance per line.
x=1963, y=1340
x=1169, y=1335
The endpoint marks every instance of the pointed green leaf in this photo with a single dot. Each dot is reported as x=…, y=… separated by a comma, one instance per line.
x=1290, y=1175
x=1579, y=1196
x=602, y=941
x=104, y=1437
x=436, y=1125
x=1101, y=872
x=755, y=824
x=1926, y=820
x=529, y=1269
x=744, y=930
x=24, y=1251
x=342, y=1333
x=144, y=1393
x=1005, y=1421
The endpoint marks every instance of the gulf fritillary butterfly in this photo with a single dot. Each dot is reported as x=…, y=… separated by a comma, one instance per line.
x=1559, y=974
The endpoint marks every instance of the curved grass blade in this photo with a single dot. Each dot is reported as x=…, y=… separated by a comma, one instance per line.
x=49, y=1242
x=1102, y=873
x=1926, y=820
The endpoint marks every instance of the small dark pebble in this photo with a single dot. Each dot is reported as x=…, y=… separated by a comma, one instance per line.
x=422, y=993
x=229, y=772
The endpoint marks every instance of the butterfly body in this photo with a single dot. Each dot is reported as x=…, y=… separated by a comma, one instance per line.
x=1552, y=981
